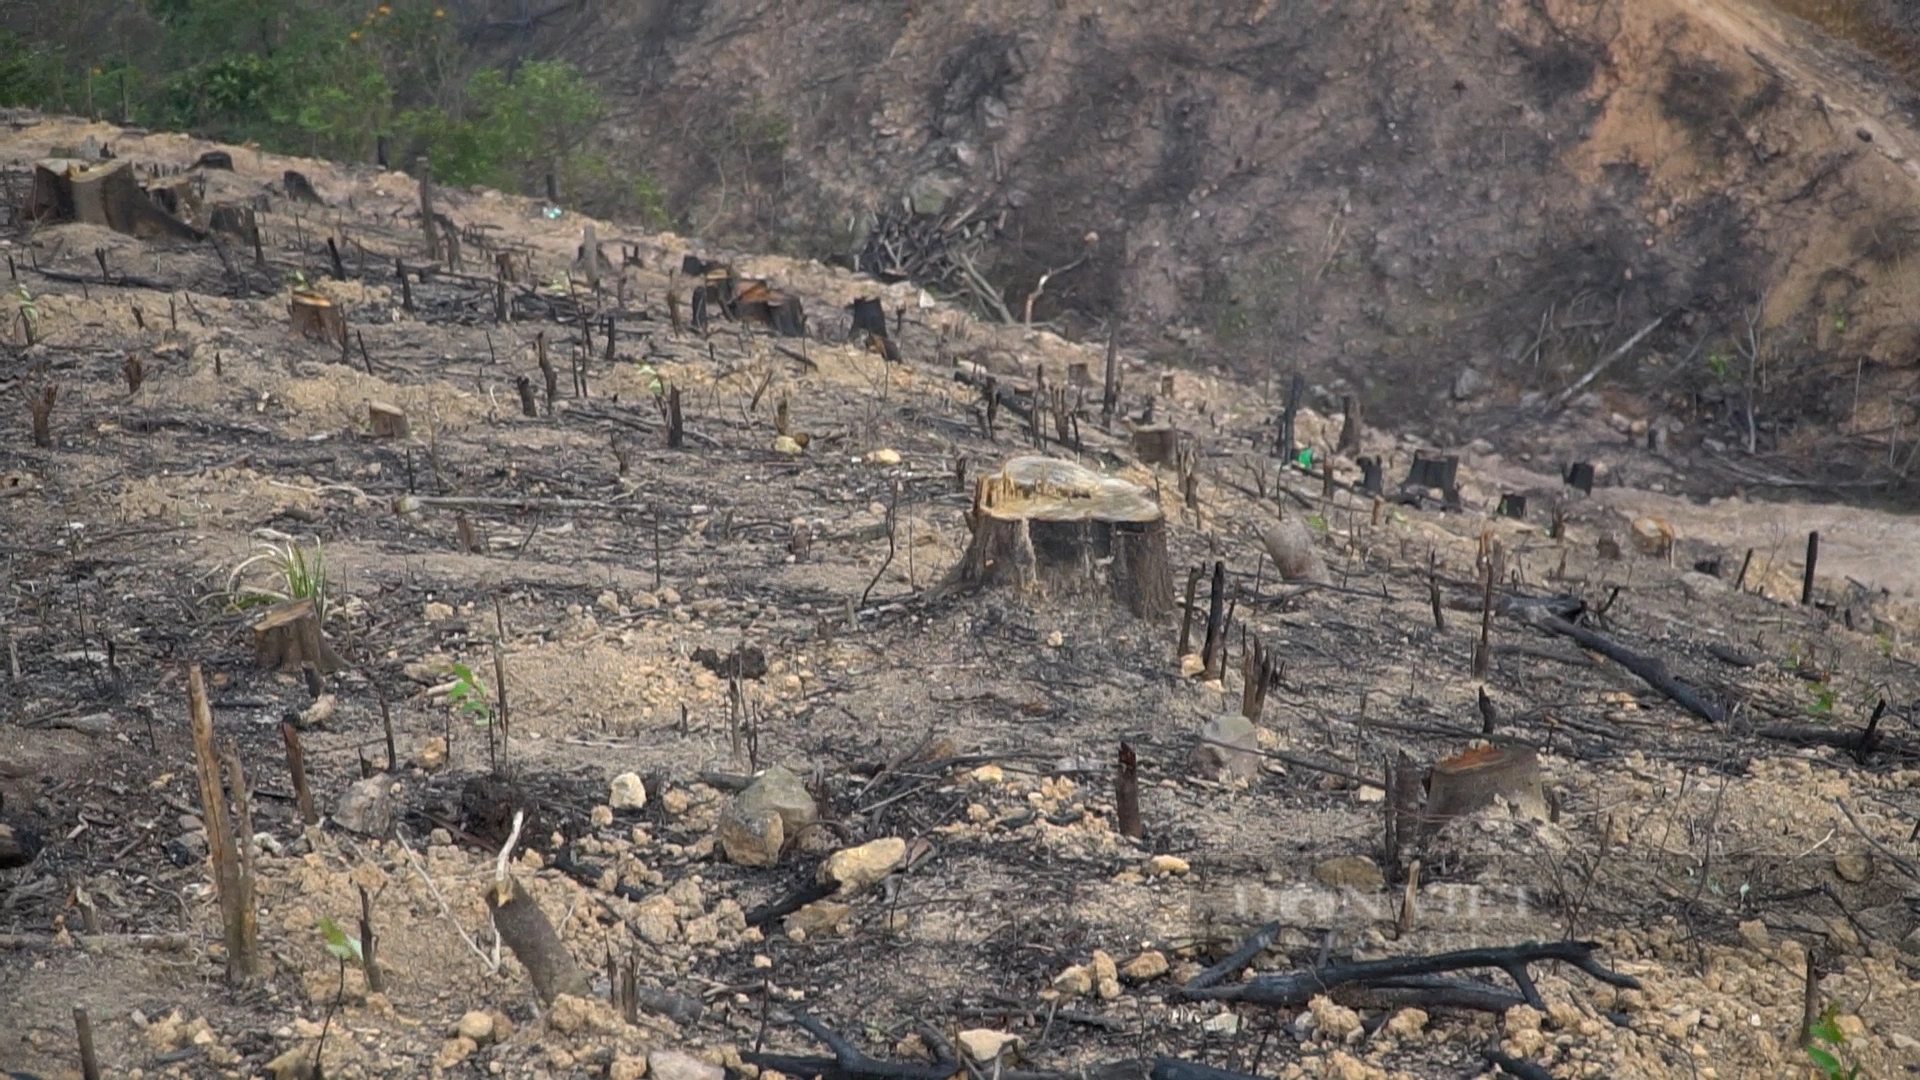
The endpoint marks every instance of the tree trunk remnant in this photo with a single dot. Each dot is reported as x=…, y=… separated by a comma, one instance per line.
x=1046, y=523
x=288, y=636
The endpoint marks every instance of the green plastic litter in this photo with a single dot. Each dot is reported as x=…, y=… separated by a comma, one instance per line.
x=1305, y=459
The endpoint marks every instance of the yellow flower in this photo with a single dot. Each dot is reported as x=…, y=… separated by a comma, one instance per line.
x=439, y=13
x=98, y=71
x=355, y=36
x=385, y=10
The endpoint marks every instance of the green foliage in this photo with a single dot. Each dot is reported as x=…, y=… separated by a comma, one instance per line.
x=1829, y=1043
x=29, y=74
x=469, y=695
x=1822, y=702
x=515, y=128
x=299, y=574
x=331, y=77
x=339, y=944
x=1720, y=364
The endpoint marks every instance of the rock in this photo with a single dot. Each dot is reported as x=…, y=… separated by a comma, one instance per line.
x=1332, y=1020
x=988, y=774
x=1911, y=943
x=1753, y=934
x=1228, y=745
x=627, y=792
x=778, y=789
x=752, y=838
x=1074, y=981
x=1290, y=545
x=1147, y=966
x=570, y=1015
x=295, y=1064
x=1468, y=384
x=855, y=868
x=366, y=807
x=1226, y=1023
x=679, y=1065
x=675, y=802
x=1341, y=1065
x=883, y=457
x=437, y=612
x=1190, y=665
x=985, y=1044
x=1853, y=866
x=820, y=917
x=453, y=1052
x=432, y=754
x=321, y=711
x=1653, y=536
x=625, y=1067
x=1103, y=966
x=1407, y=1024
x=1349, y=872
x=1165, y=865
x=1701, y=586
x=787, y=444
x=475, y=1025
x=1107, y=989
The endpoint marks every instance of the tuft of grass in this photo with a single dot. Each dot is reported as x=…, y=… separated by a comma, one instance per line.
x=298, y=572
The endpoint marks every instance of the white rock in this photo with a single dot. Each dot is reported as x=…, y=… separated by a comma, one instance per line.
x=984, y=1044
x=855, y=868
x=627, y=792
x=678, y=1065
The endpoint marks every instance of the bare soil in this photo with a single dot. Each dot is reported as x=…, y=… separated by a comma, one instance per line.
x=1706, y=859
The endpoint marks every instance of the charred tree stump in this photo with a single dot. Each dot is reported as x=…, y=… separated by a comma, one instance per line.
x=1155, y=444
x=288, y=637
x=1041, y=521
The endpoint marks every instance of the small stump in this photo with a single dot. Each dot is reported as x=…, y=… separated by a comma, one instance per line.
x=1045, y=521
x=288, y=637
x=386, y=421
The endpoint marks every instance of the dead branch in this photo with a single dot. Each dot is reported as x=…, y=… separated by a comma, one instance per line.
x=1402, y=972
x=1651, y=670
x=1560, y=399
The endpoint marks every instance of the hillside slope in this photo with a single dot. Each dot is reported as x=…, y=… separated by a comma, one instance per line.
x=1378, y=193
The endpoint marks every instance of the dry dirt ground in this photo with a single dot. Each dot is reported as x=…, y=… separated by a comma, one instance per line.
x=1705, y=859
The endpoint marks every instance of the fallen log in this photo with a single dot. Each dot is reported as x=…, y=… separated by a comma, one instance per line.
x=1404, y=972
x=1651, y=669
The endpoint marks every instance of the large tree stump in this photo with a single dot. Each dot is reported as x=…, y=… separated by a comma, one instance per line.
x=1045, y=522
x=317, y=317
x=288, y=637
x=66, y=189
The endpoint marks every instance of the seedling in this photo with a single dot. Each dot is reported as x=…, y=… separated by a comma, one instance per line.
x=1827, y=1045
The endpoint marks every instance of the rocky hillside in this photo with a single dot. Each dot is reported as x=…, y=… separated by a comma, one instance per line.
x=1420, y=200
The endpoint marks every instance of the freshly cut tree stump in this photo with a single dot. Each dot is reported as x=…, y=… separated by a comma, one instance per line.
x=288, y=637
x=1470, y=780
x=386, y=421
x=1042, y=521
x=317, y=317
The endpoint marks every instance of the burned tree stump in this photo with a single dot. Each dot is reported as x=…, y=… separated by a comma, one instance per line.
x=288, y=637
x=66, y=189
x=1155, y=444
x=1043, y=522
x=386, y=421
x=1469, y=781
x=316, y=317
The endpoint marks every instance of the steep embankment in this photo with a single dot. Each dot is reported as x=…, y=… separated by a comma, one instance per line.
x=1384, y=193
